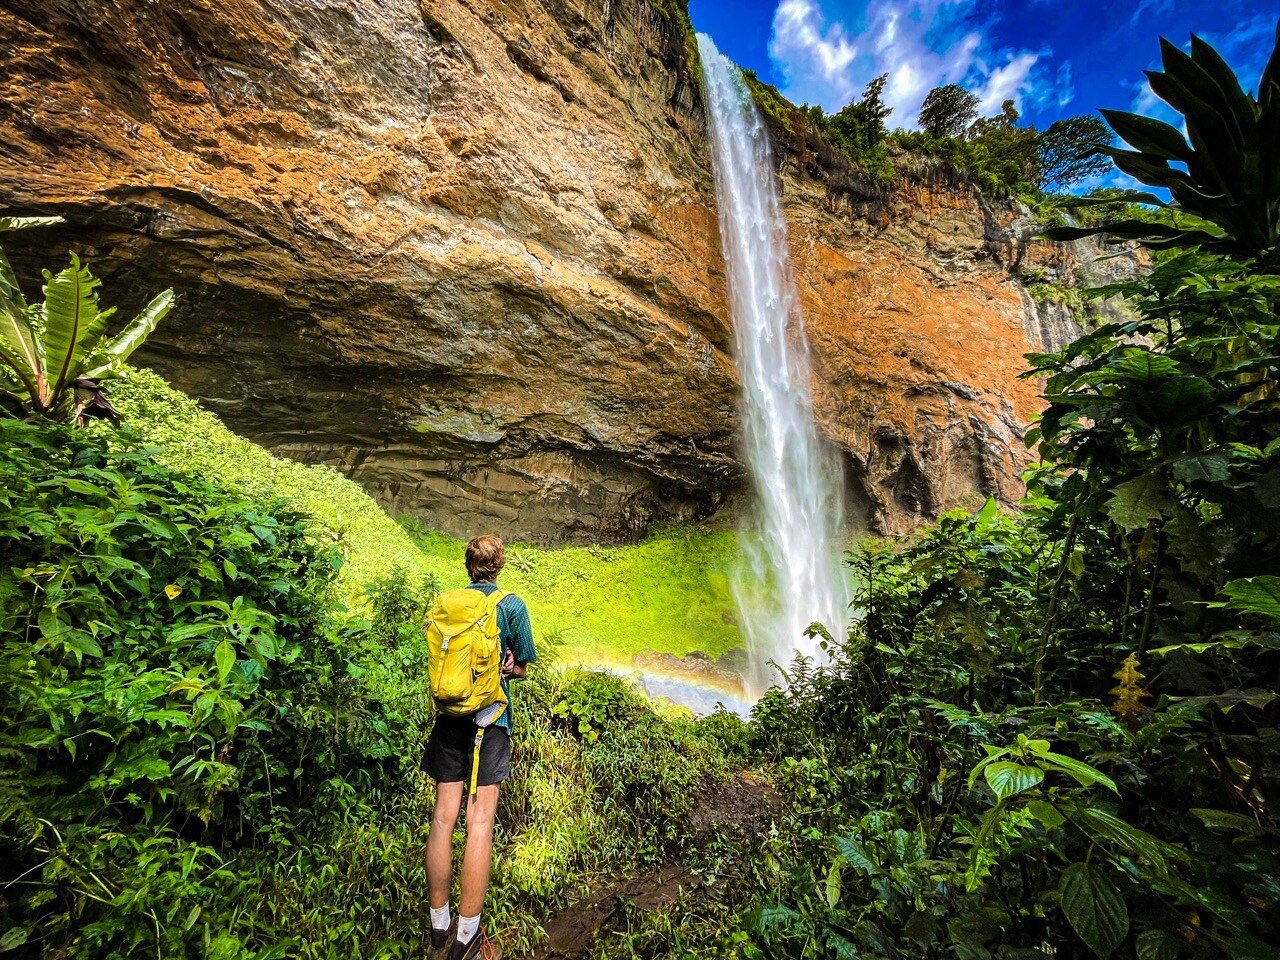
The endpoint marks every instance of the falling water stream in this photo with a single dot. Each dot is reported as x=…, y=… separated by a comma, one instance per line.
x=790, y=577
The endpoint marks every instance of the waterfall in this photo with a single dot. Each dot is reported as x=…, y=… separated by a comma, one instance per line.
x=791, y=576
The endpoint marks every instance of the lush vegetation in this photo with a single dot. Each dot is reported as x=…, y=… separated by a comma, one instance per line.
x=205, y=754
x=1055, y=735
x=188, y=438
x=667, y=594
x=1002, y=157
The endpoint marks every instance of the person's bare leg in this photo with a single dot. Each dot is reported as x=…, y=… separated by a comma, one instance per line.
x=440, y=843
x=478, y=858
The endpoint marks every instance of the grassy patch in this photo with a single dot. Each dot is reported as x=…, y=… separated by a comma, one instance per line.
x=669, y=593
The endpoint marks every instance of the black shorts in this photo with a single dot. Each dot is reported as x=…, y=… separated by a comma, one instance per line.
x=452, y=745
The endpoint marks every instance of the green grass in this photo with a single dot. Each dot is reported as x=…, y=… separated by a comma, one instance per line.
x=669, y=593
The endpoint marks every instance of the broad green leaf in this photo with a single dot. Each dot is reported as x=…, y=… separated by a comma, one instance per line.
x=72, y=321
x=1260, y=595
x=1158, y=945
x=856, y=855
x=833, y=882
x=1046, y=813
x=774, y=916
x=225, y=657
x=1083, y=774
x=1143, y=366
x=1007, y=778
x=18, y=345
x=1148, y=135
x=112, y=354
x=1180, y=399
x=1105, y=826
x=1094, y=908
x=1226, y=820
x=1136, y=503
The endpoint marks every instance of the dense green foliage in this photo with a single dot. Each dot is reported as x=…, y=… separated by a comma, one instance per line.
x=187, y=437
x=984, y=770
x=1053, y=734
x=1224, y=172
x=948, y=111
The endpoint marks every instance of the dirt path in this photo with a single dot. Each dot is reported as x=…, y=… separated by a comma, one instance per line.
x=741, y=807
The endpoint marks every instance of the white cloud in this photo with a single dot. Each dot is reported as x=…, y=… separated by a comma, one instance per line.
x=801, y=35
x=920, y=44
x=1006, y=82
x=1066, y=90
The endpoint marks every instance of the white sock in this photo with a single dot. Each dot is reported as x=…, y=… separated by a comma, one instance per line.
x=467, y=927
x=440, y=917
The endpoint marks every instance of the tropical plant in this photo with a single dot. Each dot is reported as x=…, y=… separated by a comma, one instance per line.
x=858, y=129
x=1223, y=176
x=53, y=354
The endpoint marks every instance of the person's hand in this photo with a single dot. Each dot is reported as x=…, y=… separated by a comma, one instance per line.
x=508, y=664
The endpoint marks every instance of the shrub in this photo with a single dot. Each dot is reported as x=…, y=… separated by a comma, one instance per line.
x=159, y=638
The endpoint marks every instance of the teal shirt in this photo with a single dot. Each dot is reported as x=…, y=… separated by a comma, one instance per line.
x=517, y=636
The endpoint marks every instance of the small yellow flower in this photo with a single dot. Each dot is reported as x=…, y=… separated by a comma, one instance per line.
x=172, y=591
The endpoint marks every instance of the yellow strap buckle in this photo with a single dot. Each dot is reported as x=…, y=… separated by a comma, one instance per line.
x=475, y=760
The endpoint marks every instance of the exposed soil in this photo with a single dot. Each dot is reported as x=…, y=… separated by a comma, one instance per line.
x=740, y=807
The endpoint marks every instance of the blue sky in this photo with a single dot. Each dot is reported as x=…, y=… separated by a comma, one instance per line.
x=1055, y=58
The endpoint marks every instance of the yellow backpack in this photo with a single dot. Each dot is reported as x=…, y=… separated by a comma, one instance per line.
x=464, y=660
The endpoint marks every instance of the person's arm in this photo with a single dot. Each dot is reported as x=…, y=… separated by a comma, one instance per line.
x=517, y=638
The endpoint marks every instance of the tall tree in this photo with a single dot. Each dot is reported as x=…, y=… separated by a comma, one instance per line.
x=859, y=127
x=1069, y=152
x=948, y=110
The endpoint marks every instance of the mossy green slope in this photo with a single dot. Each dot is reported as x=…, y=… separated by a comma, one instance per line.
x=669, y=593
x=195, y=441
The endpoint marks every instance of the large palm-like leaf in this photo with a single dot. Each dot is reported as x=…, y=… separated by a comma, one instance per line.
x=21, y=361
x=53, y=367
x=108, y=358
x=73, y=324
x=1225, y=170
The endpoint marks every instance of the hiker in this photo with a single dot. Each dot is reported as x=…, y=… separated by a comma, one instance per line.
x=479, y=638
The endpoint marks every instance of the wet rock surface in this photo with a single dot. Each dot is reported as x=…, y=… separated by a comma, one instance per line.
x=466, y=251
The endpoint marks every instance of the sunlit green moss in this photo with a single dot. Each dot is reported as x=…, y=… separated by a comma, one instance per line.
x=195, y=441
x=669, y=593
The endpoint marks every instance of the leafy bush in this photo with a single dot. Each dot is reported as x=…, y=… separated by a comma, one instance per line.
x=53, y=354
x=159, y=639
x=1057, y=736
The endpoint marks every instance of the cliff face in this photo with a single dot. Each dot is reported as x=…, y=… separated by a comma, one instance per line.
x=466, y=250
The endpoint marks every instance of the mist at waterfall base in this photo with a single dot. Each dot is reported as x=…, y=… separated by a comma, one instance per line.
x=790, y=576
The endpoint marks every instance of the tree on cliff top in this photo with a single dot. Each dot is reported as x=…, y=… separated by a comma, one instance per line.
x=859, y=128
x=948, y=110
x=1069, y=152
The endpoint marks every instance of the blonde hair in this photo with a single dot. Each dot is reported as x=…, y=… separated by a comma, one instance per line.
x=485, y=558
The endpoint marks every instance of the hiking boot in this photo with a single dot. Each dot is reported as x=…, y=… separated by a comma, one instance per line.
x=480, y=948
x=440, y=938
